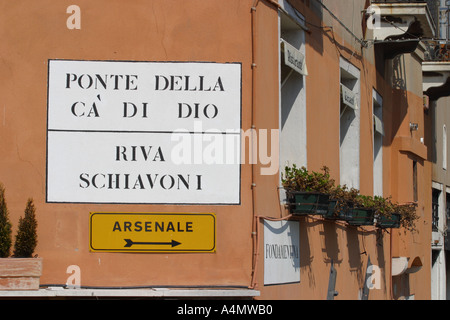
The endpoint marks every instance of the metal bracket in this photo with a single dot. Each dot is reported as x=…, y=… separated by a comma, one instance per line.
x=332, y=283
x=366, y=289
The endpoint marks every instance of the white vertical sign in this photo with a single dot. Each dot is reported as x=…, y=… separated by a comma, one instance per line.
x=143, y=132
x=281, y=252
x=294, y=58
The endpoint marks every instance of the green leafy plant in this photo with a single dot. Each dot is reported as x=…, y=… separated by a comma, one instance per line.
x=300, y=179
x=344, y=194
x=307, y=192
x=363, y=201
x=385, y=208
x=5, y=226
x=344, y=199
x=408, y=215
x=26, y=238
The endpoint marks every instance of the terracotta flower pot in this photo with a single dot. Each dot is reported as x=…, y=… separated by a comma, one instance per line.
x=20, y=273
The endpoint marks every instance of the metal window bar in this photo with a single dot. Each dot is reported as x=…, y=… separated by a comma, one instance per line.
x=436, y=50
x=448, y=205
x=435, y=210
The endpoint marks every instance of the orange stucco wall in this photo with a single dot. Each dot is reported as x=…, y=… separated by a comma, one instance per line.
x=349, y=248
x=33, y=32
x=323, y=242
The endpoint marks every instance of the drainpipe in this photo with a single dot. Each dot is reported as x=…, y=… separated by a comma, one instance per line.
x=255, y=218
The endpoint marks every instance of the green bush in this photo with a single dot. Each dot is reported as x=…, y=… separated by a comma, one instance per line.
x=300, y=179
x=5, y=226
x=26, y=238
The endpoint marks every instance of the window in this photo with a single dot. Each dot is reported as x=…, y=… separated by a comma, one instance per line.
x=415, y=192
x=349, y=124
x=444, y=147
x=447, y=204
x=292, y=92
x=378, y=133
x=435, y=209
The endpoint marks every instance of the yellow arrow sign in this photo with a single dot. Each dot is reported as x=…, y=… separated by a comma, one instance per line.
x=152, y=232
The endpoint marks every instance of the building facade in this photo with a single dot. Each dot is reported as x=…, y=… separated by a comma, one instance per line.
x=436, y=71
x=153, y=135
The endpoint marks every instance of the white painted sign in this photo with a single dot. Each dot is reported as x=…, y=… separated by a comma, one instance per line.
x=143, y=132
x=348, y=97
x=294, y=58
x=281, y=252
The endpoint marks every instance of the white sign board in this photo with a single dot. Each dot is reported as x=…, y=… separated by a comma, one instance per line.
x=348, y=97
x=281, y=252
x=143, y=132
x=294, y=58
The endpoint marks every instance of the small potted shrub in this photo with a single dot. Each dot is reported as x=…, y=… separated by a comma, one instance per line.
x=307, y=192
x=5, y=226
x=26, y=238
x=22, y=271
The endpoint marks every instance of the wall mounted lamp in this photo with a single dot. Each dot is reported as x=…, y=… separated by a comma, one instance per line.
x=413, y=126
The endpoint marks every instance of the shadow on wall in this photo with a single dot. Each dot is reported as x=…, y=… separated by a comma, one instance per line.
x=334, y=238
x=306, y=256
x=314, y=19
x=393, y=71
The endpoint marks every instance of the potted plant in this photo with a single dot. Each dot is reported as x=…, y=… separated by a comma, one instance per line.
x=362, y=213
x=5, y=226
x=307, y=192
x=26, y=238
x=386, y=215
x=385, y=222
x=341, y=200
x=349, y=205
x=315, y=193
x=22, y=271
x=393, y=215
